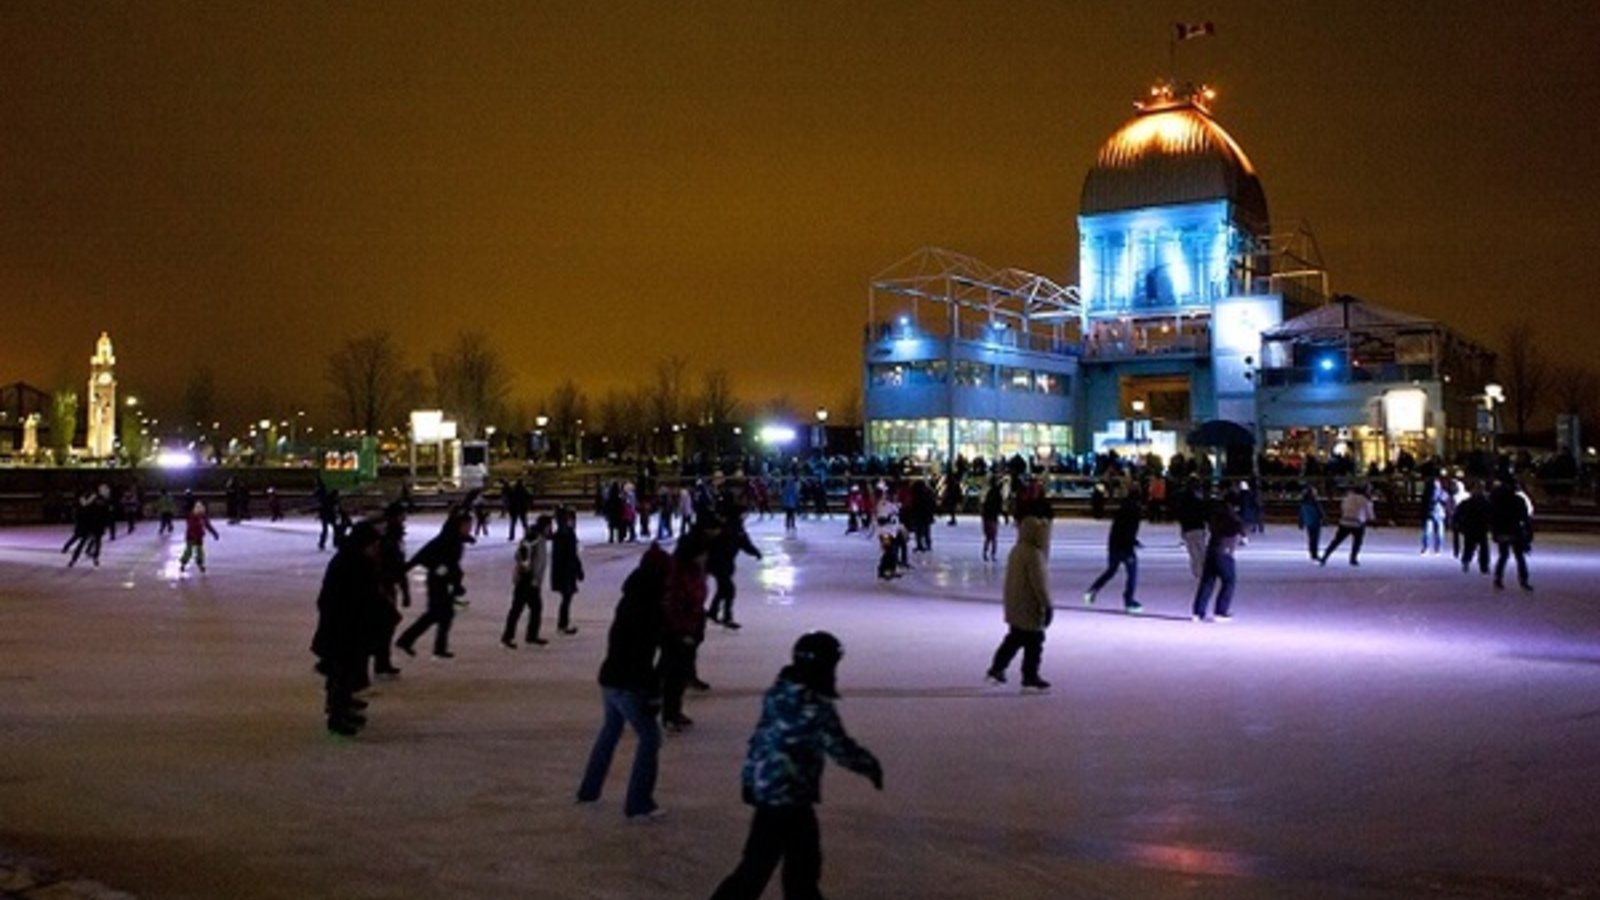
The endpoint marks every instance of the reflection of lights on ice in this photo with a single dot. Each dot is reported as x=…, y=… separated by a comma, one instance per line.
x=777, y=579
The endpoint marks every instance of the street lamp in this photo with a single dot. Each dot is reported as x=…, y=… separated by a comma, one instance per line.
x=539, y=423
x=1493, y=395
x=819, y=434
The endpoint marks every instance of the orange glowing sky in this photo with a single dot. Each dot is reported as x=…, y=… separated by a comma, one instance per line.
x=598, y=185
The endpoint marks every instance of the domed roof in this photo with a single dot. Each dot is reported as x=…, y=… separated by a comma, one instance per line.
x=1173, y=152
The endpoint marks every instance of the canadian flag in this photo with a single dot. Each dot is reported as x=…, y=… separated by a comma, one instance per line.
x=1185, y=30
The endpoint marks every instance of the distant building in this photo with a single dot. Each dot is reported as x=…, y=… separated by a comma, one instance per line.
x=964, y=361
x=21, y=404
x=102, y=406
x=1194, y=327
x=1354, y=380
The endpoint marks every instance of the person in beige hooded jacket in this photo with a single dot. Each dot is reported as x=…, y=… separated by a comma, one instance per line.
x=1027, y=601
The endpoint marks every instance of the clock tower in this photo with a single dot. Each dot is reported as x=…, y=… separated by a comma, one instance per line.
x=102, y=408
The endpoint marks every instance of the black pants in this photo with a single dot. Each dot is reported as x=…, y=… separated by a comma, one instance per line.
x=722, y=600
x=342, y=676
x=1031, y=643
x=1474, y=544
x=676, y=669
x=1513, y=546
x=438, y=613
x=1313, y=539
x=524, y=596
x=778, y=833
x=564, y=612
x=1355, y=533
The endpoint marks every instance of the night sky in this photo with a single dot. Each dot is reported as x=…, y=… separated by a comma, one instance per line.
x=599, y=185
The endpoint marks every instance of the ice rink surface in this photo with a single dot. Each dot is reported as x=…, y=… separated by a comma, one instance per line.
x=1394, y=730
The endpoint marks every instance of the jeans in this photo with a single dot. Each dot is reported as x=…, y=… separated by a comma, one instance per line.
x=1507, y=547
x=786, y=833
x=1030, y=642
x=1113, y=561
x=634, y=708
x=1195, y=543
x=1219, y=567
x=1313, y=539
x=1433, y=533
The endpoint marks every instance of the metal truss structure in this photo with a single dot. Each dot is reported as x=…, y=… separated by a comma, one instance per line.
x=965, y=296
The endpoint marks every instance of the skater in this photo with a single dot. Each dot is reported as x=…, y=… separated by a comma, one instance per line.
x=351, y=611
x=1250, y=508
x=790, y=498
x=1227, y=533
x=1190, y=511
x=330, y=513
x=166, y=508
x=1471, y=523
x=1355, y=511
x=1122, y=546
x=566, y=568
x=1311, y=520
x=1027, y=603
x=629, y=690
x=396, y=585
x=683, y=624
x=527, y=584
x=993, y=503
x=194, y=537
x=1435, y=513
x=441, y=557
x=731, y=540
x=518, y=501
x=1511, y=524
x=274, y=505
x=782, y=774
x=88, y=523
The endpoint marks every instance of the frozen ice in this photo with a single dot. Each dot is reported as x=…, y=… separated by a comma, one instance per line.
x=1400, y=729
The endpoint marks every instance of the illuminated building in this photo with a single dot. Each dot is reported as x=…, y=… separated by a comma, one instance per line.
x=1356, y=380
x=1176, y=272
x=1194, y=327
x=102, y=406
x=964, y=360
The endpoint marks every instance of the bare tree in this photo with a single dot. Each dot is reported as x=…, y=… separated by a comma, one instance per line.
x=63, y=423
x=200, y=399
x=1527, y=373
x=566, y=407
x=368, y=382
x=472, y=382
x=623, y=420
x=664, y=398
x=1573, y=388
x=713, y=409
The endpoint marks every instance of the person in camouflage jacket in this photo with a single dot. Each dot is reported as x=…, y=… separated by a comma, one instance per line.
x=782, y=774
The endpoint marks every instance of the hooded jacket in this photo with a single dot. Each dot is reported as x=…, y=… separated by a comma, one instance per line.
x=798, y=726
x=1027, y=587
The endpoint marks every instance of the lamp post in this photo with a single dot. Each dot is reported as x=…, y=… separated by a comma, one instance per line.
x=1493, y=396
x=819, y=434
x=539, y=423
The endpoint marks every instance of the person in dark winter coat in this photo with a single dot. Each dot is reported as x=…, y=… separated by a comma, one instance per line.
x=722, y=560
x=1122, y=546
x=350, y=625
x=993, y=505
x=1227, y=533
x=1311, y=520
x=629, y=688
x=782, y=774
x=1471, y=523
x=396, y=586
x=566, y=568
x=441, y=558
x=683, y=623
x=1512, y=526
